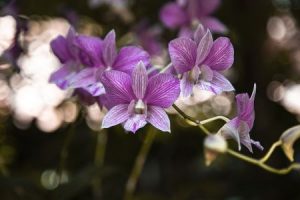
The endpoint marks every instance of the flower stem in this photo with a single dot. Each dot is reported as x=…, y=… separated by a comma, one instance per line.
x=263, y=165
x=65, y=150
x=205, y=130
x=139, y=164
x=225, y=119
x=166, y=68
x=271, y=150
x=258, y=162
x=185, y=116
x=196, y=121
x=99, y=160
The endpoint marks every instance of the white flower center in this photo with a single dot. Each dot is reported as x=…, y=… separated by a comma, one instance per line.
x=140, y=107
x=193, y=75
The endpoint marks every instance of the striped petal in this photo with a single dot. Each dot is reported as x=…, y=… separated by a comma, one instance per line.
x=183, y=54
x=158, y=118
x=162, y=91
x=109, y=48
x=116, y=115
x=139, y=80
x=118, y=87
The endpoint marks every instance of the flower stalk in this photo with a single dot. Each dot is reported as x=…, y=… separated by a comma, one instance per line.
x=139, y=164
x=65, y=150
x=258, y=162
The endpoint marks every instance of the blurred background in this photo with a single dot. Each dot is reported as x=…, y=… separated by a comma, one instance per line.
x=50, y=143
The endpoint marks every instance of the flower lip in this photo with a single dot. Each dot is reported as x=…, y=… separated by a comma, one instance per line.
x=194, y=74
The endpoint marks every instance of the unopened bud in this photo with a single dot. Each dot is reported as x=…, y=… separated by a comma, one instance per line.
x=213, y=146
x=288, y=138
x=215, y=143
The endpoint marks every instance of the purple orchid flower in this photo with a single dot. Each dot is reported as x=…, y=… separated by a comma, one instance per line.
x=138, y=99
x=201, y=60
x=85, y=58
x=239, y=127
x=126, y=59
x=183, y=13
x=81, y=61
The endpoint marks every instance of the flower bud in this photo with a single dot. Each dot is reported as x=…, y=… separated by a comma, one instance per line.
x=288, y=138
x=213, y=146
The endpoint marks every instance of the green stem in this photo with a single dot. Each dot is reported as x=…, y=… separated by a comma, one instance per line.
x=257, y=162
x=185, y=116
x=196, y=121
x=263, y=165
x=205, y=130
x=99, y=161
x=65, y=149
x=139, y=164
x=225, y=119
x=271, y=150
x=100, y=148
x=166, y=68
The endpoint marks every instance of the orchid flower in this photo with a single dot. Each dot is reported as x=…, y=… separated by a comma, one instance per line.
x=239, y=127
x=126, y=59
x=200, y=61
x=139, y=99
x=182, y=14
x=85, y=58
x=80, y=58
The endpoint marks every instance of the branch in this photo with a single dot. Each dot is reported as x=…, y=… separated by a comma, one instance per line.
x=258, y=162
x=139, y=164
x=282, y=171
x=185, y=116
x=271, y=150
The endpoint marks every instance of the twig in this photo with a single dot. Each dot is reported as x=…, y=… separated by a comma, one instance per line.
x=263, y=165
x=166, y=68
x=64, y=152
x=271, y=150
x=225, y=119
x=185, y=116
x=258, y=162
x=139, y=164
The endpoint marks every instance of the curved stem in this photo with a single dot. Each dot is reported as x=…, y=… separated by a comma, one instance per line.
x=263, y=165
x=166, y=68
x=225, y=119
x=205, y=130
x=196, y=121
x=260, y=162
x=139, y=164
x=271, y=150
x=185, y=116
